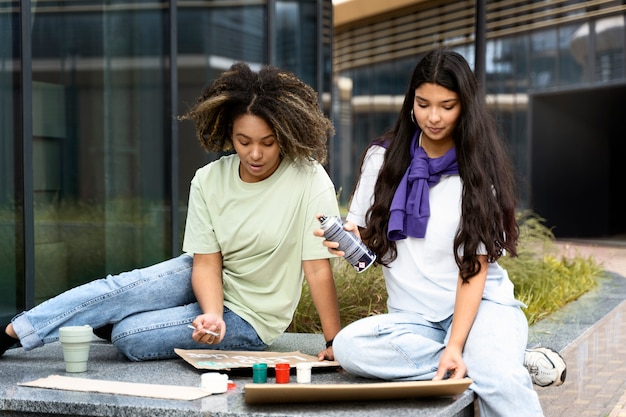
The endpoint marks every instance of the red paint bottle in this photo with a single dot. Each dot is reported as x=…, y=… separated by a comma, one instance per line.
x=282, y=373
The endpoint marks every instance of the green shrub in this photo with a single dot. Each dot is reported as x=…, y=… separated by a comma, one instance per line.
x=544, y=279
x=360, y=295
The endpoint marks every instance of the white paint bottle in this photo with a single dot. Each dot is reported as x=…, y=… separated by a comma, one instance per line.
x=303, y=372
x=214, y=382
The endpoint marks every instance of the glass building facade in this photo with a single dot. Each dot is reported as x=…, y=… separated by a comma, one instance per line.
x=95, y=166
x=555, y=79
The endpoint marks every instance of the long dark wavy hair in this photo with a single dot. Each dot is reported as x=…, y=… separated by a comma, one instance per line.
x=489, y=190
x=288, y=105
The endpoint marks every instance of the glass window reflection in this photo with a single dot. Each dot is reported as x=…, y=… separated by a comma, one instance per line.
x=11, y=220
x=99, y=112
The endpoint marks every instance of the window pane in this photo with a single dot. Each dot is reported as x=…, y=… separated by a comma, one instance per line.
x=543, y=57
x=296, y=36
x=609, y=36
x=572, y=51
x=10, y=102
x=99, y=140
x=210, y=39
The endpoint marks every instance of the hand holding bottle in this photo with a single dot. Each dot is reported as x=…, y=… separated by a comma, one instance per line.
x=348, y=242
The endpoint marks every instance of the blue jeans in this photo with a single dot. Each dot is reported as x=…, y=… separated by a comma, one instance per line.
x=149, y=308
x=404, y=346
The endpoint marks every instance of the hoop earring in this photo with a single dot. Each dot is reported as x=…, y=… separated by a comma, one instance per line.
x=413, y=117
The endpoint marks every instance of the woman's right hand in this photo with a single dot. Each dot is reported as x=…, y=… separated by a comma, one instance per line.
x=332, y=246
x=207, y=327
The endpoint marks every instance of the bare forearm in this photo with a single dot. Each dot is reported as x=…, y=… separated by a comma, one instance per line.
x=468, y=298
x=323, y=292
x=206, y=281
x=210, y=297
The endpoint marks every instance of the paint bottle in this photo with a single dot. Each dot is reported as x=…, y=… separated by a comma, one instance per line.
x=356, y=253
x=303, y=372
x=282, y=373
x=214, y=382
x=259, y=373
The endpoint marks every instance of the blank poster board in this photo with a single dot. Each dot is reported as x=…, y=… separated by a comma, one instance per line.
x=279, y=393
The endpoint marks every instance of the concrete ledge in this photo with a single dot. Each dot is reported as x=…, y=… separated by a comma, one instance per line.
x=561, y=328
x=107, y=364
x=557, y=331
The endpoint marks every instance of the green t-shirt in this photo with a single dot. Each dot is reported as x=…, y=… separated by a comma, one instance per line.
x=264, y=231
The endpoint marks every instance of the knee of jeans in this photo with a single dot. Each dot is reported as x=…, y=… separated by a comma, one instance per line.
x=135, y=348
x=341, y=347
x=126, y=348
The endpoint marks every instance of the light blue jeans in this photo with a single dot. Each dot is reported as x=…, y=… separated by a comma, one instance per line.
x=404, y=346
x=149, y=308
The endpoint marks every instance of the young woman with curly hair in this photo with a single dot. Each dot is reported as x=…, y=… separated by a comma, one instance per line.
x=248, y=240
x=435, y=202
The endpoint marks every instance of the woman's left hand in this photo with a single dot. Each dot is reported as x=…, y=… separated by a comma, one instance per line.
x=326, y=355
x=451, y=365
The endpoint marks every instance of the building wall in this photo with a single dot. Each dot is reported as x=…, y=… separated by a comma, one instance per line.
x=538, y=55
x=95, y=166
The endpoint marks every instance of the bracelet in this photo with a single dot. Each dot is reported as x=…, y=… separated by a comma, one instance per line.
x=330, y=343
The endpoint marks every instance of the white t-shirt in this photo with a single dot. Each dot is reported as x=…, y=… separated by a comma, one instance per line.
x=424, y=276
x=264, y=231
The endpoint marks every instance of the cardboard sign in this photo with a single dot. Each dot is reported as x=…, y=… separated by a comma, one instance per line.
x=170, y=392
x=225, y=359
x=291, y=393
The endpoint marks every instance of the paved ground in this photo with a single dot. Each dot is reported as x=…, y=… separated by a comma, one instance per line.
x=596, y=378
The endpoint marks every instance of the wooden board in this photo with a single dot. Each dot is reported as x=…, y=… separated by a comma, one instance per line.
x=283, y=393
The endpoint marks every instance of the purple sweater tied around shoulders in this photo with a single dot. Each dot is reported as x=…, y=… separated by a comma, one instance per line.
x=410, y=207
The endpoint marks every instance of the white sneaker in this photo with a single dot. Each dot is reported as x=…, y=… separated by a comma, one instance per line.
x=546, y=366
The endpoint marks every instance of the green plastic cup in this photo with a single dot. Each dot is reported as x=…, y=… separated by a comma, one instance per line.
x=76, y=341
